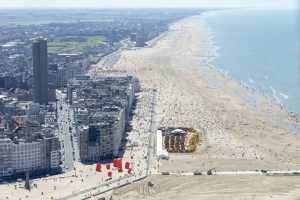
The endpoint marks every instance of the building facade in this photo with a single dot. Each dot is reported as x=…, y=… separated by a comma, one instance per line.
x=102, y=138
x=40, y=156
x=102, y=108
x=40, y=70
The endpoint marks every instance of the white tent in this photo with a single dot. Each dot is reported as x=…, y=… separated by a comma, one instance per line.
x=161, y=152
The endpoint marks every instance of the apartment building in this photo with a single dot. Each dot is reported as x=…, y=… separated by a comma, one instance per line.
x=102, y=108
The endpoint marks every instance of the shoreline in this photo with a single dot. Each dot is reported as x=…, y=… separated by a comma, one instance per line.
x=295, y=116
x=191, y=93
x=112, y=58
x=213, y=52
x=148, y=64
x=250, y=87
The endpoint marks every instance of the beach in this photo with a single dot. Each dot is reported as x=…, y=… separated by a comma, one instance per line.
x=241, y=134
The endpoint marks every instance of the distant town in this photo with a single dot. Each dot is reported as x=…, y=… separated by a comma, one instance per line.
x=114, y=104
x=72, y=46
x=51, y=113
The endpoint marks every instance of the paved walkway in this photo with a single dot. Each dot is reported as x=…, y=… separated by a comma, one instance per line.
x=234, y=173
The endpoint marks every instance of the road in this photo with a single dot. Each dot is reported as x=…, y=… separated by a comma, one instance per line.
x=65, y=120
x=142, y=152
x=152, y=131
x=137, y=152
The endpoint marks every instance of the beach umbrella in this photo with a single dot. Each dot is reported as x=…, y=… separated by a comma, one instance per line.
x=115, y=162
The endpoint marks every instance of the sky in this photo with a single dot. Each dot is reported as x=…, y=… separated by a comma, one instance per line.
x=147, y=3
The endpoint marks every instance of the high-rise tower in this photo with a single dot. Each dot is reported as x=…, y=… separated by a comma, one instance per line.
x=40, y=70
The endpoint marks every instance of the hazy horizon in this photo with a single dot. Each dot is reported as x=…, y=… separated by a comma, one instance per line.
x=146, y=3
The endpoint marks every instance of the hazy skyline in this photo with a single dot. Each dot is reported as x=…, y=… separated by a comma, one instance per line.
x=147, y=3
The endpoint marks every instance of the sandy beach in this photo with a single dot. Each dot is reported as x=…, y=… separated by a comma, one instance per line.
x=242, y=134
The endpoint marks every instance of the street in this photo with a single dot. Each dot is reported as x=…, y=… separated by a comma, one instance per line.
x=65, y=120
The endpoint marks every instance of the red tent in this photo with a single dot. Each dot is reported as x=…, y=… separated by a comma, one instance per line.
x=129, y=171
x=120, y=164
x=98, y=167
x=109, y=174
x=127, y=165
x=117, y=163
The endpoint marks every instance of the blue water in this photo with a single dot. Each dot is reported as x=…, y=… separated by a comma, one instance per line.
x=260, y=49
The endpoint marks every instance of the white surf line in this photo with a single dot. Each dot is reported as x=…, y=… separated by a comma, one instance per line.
x=234, y=173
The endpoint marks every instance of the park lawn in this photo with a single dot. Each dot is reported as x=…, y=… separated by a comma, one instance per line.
x=60, y=45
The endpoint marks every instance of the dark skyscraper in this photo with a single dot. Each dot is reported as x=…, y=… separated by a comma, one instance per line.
x=40, y=70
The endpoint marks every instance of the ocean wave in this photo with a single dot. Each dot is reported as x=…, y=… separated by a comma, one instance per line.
x=260, y=86
x=285, y=96
x=275, y=96
x=250, y=80
x=266, y=77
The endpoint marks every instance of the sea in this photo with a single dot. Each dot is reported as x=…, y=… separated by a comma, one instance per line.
x=260, y=49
